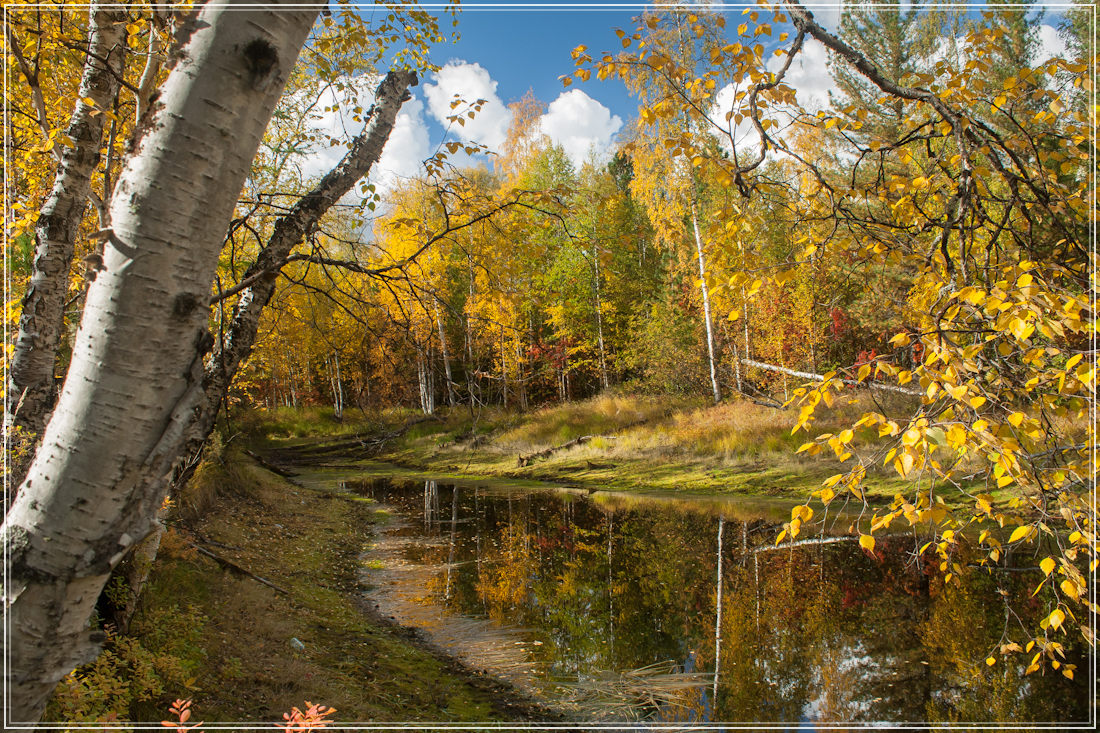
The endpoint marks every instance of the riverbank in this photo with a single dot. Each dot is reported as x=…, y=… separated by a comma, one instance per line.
x=212, y=630
x=620, y=443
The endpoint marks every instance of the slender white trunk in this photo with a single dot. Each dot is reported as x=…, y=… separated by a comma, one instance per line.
x=136, y=376
x=446, y=357
x=718, y=617
x=337, y=387
x=503, y=369
x=30, y=390
x=706, y=306
x=599, y=319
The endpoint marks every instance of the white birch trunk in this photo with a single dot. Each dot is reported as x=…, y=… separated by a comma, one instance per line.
x=599, y=320
x=136, y=376
x=31, y=374
x=706, y=306
x=289, y=231
x=718, y=618
x=446, y=358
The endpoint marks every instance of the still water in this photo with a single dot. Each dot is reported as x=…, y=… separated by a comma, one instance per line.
x=618, y=607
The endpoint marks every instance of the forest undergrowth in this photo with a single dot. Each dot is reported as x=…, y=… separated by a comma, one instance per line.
x=243, y=651
x=617, y=442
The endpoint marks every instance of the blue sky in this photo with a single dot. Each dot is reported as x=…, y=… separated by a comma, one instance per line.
x=504, y=52
x=530, y=49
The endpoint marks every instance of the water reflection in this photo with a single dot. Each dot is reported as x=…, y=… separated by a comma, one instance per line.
x=677, y=611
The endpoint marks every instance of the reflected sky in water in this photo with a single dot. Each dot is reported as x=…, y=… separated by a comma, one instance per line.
x=675, y=610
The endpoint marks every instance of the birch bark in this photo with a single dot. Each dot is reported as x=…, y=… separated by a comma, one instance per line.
x=289, y=231
x=30, y=391
x=135, y=379
x=706, y=306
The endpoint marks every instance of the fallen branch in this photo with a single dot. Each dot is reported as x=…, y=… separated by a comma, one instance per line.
x=270, y=466
x=522, y=460
x=527, y=459
x=234, y=567
x=821, y=378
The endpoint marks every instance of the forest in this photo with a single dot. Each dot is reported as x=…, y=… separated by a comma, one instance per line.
x=874, y=307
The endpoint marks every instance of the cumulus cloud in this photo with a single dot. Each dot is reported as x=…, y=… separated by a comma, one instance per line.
x=1051, y=44
x=335, y=122
x=406, y=148
x=808, y=76
x=580, y=124
x=470, y=82
x=826, y=13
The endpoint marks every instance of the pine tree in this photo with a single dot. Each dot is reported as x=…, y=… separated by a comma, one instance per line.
x=898, y=41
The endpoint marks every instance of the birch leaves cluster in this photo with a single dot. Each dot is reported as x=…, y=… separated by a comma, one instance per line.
x=979, y=199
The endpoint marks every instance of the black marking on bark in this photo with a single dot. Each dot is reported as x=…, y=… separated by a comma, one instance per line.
x=185, y=304
x=261, y=59
x=19, y=570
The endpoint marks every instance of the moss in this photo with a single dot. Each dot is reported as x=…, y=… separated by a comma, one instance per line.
x=245, y=666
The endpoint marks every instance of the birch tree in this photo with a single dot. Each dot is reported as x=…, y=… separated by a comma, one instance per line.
x=30, y=390
x=136, y=375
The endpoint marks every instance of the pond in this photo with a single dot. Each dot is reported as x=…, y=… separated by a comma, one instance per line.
x=624, y=607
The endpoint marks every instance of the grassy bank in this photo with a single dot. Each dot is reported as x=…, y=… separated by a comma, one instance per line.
x=221, y=637
x=633, y=443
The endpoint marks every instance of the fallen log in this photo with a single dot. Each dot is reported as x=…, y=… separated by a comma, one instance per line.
x=527, y=459
x=270, y=466
x=821, y=378
x=234, y=567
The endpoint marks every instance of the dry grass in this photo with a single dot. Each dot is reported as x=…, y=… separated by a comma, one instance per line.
x=647, y=427
x=605, y=414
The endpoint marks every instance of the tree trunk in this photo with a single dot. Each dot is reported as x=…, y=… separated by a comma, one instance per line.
x=599, y=320
x=291, y=229
x=337, y=385
x=136, y=376
x=706, y=306
x=30, y=391
x=446, y=358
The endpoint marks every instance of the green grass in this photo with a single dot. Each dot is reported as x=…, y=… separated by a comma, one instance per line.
x=244, y=666
x=640, y=443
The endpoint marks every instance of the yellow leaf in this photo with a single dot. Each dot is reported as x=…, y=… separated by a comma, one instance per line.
x=867, y=542
x=780, y=537
x=1015, y=419
x=1019, y=533
x=1055, y=619
x=1070, y=589
x=900, y=340
x=990, y=661
x=957, y=392
x=1047, y=565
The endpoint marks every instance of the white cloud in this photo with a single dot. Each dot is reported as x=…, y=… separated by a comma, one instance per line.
x=1050, y=44
x=470, y=82
x=335, y=120
x=579, y=124
x=826, y=13
x=809, y=75
x=406, y=148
